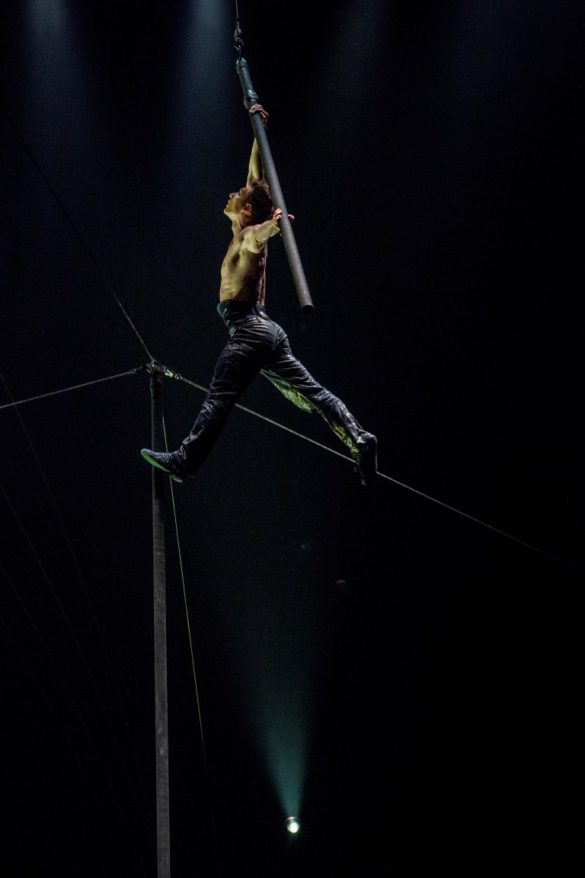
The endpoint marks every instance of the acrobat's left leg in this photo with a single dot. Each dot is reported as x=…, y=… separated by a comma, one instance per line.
x=295, y=382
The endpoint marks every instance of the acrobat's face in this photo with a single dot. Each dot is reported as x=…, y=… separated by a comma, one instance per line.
x=236, y=203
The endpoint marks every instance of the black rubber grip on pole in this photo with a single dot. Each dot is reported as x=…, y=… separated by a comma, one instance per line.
x=288, y=238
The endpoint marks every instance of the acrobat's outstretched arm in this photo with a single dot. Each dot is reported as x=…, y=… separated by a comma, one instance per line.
x=256, y=237
x=255, y=169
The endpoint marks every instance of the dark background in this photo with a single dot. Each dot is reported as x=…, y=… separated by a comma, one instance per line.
x=404, y=678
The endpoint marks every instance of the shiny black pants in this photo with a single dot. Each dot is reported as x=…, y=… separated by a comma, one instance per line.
x=258, y=344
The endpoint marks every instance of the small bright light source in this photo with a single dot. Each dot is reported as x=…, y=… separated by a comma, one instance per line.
x=293, y=825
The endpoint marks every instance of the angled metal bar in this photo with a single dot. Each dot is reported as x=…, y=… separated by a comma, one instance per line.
x=288, y=238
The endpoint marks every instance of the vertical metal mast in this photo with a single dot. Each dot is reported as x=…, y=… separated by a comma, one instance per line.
x=288, y=238
x=160, y=632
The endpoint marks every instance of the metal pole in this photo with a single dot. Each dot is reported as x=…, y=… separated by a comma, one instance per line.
x=160, y=633
x=288, y=238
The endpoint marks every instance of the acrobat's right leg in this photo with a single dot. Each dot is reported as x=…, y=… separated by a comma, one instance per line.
x=237, y=365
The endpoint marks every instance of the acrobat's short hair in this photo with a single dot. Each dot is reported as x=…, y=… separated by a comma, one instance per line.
x=260, y=200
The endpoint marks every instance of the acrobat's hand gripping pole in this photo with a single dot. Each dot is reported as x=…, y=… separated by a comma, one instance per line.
x=288, y=238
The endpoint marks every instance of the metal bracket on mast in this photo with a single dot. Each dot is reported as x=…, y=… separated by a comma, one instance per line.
x=154, y=368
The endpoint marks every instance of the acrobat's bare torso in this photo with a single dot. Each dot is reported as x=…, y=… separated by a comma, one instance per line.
x=243, y=270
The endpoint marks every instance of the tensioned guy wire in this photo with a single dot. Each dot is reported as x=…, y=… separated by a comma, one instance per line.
x=96, y=747
x=78, y=569
x=14, y=403
x=99, y=271
x=186, y=606
x=190, y=641
x=239, y=43
x=79, y=714
x=171, y=374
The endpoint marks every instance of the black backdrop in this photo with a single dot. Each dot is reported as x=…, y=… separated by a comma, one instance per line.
x=404, y=676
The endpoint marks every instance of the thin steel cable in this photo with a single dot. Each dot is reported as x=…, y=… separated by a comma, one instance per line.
x=171, y=374
x=82, y=580
x=213, y=816
x=39, y=634
x=482, y=523
x=186, y=605
x=49, y=704
x=47, y=578
x=72, y=633
x=84, y=245
x=98, y=750
x=45, y=697
x=14, y=403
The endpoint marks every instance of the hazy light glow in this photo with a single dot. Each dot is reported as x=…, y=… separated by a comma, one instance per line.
x=47, y=15
x=293, y=825
x=199, y=84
